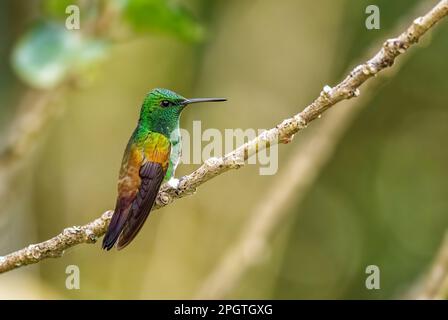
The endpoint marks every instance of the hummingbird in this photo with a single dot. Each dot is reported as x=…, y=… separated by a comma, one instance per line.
x=150, y=158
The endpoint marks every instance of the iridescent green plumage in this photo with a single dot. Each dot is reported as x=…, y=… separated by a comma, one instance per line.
x=151, y=156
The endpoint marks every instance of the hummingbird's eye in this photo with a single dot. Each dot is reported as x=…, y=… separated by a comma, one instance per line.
x=165, y=103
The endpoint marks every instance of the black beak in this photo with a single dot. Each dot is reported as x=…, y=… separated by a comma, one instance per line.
x=198, y=100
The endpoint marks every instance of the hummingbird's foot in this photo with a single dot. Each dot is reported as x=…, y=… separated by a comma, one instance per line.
x=173, y=183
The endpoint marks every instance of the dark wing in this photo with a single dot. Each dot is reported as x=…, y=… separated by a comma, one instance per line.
x=121, y=213
x=129, y=216
x=143, y=169
x=152, y=175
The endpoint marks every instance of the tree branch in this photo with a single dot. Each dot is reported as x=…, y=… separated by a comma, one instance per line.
x=54, y=247
x=283, y=132
x=296, y=178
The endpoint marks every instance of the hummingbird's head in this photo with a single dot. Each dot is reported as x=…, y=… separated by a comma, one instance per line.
x=168, y=100
x=163, y=106
x=164, y=100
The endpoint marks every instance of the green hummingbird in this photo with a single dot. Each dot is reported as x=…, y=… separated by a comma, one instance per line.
x=151, y=157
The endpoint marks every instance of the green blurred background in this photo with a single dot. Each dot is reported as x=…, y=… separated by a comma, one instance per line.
x=381, y=199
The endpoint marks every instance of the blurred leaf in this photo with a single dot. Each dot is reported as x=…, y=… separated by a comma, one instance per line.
x=163, y=16
x=48, y=53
